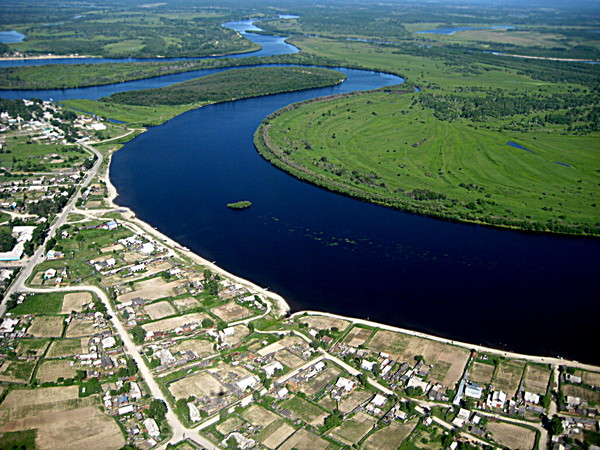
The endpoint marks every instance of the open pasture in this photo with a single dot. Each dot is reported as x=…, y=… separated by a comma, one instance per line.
x=511, y=436
x=159, y=310
x=46, y=326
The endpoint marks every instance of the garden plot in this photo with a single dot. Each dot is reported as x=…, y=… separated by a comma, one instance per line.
x=80, y=328
x=511, y=436
x=229, y=425
x=481, y=373
x=508, y=377
x=152, y=289
x=16, y=371
x=68, y=347
x=591, y=378
x=324, y=322
x=452, y=359
x=186, y=304
x=353, y=430
x=287, y=341
x=75, y=301
x=390, y=437
x=259, y=416
x=159, y=310
x=51, y=370
x=536, y=379
x=19, y=404
x=305, y=440
x=239, y=334
x=198, y=385
x=46, y=326
x=289, y=359
x=317, y=383
x=305, y=411
x=32, y=347
x=112, y=248
x=275, y=433
x=357, y=336
x=581, y=392
x=230, y=312
x=200, y=347
x=356, y=398
x=175, y=322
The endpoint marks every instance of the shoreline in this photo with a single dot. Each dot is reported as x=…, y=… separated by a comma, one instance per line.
x=34, y=58
x=281, y=306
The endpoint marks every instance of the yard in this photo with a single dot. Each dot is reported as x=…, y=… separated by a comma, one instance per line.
x=159, y=310
x=317, y=383
x=581, y=392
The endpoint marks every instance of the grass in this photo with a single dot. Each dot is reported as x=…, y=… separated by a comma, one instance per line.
x=24, y=439
x=50, y=303
x=390, y=149
x=303, y=409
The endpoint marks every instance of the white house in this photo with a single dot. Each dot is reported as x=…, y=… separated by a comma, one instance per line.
x=152, y=427
x=345, y=383
x=108, y=342
x=272, y=367
x=247, y=382
x=531, y=398
x=496, y=400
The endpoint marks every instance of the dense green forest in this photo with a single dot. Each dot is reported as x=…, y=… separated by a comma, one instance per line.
x=232, y=84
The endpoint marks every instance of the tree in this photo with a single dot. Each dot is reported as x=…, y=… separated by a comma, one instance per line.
x=555, y=426
x=7, y=240
x=157, y=410
x=138, y=334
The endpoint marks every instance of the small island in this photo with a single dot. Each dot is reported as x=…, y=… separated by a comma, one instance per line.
x=240, y=205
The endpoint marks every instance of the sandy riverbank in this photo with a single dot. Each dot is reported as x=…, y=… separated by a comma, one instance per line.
x=33, y=58
x=280, y=305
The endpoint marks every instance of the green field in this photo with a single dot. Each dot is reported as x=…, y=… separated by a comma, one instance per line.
x=50, y=303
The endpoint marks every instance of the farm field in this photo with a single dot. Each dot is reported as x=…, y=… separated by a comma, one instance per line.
x=231, y=311
x=80, y=328
x=174, y=322
x=305, y=440
x=305, y=411
x=152, y=289
x=32, y=347
x=289, y=359
x=257, y=415
x=357, y=336
x=50, y=303
x=325, y=323
x=511, y=436
x=16, y=371
x=198, y=385
x=581, y=392
x=51, y=370
x=75, y=301
x=356, y=398
x=275, y=433
x=320, y=381
x=199, y=346
x=186, y=304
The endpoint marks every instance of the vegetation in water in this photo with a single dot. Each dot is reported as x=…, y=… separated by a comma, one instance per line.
x=240, y=205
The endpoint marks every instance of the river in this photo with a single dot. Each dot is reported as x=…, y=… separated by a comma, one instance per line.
x=530, y=293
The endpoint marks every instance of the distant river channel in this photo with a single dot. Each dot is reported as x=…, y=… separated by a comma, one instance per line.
x=536, y=294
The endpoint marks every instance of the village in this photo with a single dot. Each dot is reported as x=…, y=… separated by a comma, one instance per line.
x=148, y=345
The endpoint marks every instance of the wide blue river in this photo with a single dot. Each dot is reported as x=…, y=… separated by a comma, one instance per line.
x=322, y=251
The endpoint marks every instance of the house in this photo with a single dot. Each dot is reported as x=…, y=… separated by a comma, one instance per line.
x=531, y=398
x=271, y=368
x=8, y=325
x=572, y=378
x=194, y=413
x=379, y=400
x=473, y=390
x=147, y=248
x=282, y=393
x=126, y=410
x=112, y=225
x=367, y=365
x=151, y=427
x=108, y=342
x=345, y=383
x=50, y=273
x=135, y=393
x=496, y=400
x=247, y=382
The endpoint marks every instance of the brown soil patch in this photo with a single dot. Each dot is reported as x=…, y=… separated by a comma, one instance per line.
x=536, y=379
x=511, y=436
x=79, y=328
x=174, y=322
x=51, y=370
x=357, y=336
x=390, y=437
x=186, y=304
x=152, y=289
x=198, y=385
x=305, y=440
x=68, y=347
x=356, y=398
x=481, y=373
x=324, y=322
x=199, y=346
